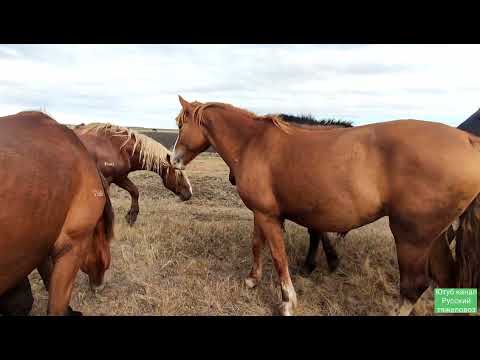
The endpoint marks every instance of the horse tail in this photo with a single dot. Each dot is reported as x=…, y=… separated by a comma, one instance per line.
x=467, y=250
x=108, y=215
x=450, y=234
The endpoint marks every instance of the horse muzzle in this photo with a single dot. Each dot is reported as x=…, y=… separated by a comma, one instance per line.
x=177, y=160
x=98, y=286
x=184, y=196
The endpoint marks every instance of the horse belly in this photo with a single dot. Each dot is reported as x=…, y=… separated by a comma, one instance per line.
x=340, y=217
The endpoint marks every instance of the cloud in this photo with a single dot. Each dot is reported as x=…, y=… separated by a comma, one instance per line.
x=138, y=84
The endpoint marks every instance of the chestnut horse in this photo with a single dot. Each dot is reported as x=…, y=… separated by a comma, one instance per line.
x=118, y=151
x=315, y=237
x=56, y=206
x=422, y=175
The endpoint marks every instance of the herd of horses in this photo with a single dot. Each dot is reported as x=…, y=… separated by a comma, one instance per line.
x=328, y=176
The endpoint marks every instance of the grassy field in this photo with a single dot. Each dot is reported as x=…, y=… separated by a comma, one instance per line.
x=190, y=258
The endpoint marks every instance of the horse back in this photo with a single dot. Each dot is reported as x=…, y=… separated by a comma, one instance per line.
x=110, y=160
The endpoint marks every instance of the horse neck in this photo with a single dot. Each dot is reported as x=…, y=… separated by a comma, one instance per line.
x=229, y=133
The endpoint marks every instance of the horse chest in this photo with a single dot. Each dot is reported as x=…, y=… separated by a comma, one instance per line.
x=256, y=194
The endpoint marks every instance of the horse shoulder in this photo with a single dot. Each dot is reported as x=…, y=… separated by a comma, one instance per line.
x=254, y=187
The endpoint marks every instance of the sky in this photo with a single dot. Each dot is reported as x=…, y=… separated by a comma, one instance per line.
x=138, y=85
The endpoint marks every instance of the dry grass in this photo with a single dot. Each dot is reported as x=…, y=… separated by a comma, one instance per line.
x=190, y=259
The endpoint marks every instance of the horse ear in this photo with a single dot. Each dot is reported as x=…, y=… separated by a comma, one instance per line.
x=187, y=107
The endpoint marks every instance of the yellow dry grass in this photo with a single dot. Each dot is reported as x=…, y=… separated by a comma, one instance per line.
x=190, y=259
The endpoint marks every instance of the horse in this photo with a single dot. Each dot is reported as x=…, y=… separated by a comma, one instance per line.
x=315, y=237
x=118, y=151
x=422, y=175
x=57, y=217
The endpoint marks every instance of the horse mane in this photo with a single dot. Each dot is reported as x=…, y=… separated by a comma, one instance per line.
x=310, y=120
x=284, y=122
x=153, y=155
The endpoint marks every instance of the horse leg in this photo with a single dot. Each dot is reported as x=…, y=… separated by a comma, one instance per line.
x=17, y=301
x=66, y=263
x=330, y=252
x=272, y=230
x=126, y=184
x=441, y=266
x=311, y=259
x=258, y=243
x=45, y=270
x=412, y=254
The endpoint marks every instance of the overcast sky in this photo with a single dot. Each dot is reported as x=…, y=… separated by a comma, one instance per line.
x=137, y=85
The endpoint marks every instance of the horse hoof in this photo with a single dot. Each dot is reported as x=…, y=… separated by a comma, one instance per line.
x=71, y=312
x=251, y=282
x=307, y=269
x=333, y=264
x=131, y=218
x=285, y=309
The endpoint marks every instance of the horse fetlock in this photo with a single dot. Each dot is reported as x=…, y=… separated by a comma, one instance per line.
x=333, y=263
x=286, y=308
x=251, y=282
x=289, y=295
x=131, y=216
x=71, y=312
x=308, y=267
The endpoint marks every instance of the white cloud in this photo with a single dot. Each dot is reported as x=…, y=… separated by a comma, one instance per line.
x=138, y=84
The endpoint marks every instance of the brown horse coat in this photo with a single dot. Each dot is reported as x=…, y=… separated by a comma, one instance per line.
x=119, y=151
x=422, y=175
x=54, y=205
x=307, y=121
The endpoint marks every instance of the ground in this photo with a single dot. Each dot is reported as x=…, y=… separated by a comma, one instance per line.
x=190, y=258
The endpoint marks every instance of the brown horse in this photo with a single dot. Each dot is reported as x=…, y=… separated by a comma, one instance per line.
x=422, y=175
x=118, y=151
x=315, y=237
x=56, y=206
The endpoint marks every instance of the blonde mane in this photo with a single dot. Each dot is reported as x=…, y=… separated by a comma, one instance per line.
x=199, y=115
x=152, y=154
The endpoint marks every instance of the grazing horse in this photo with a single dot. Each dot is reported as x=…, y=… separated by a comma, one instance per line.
x=56, y=207
x=314, y=236
x=422, y=175
x=119, y=151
